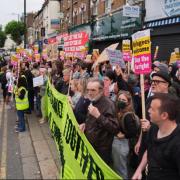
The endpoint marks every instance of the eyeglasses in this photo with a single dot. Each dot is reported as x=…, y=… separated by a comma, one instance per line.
x=157, y=82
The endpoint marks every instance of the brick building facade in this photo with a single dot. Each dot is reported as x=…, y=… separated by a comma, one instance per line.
x=78, y=12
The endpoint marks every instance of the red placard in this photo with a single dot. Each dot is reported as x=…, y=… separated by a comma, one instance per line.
x=75, y=43
x=52, y=40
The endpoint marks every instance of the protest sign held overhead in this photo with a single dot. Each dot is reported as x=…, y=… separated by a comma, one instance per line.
x=126, y=50
x=103, y=57
x=142, y=52
x=175, y=56
x=115, y=58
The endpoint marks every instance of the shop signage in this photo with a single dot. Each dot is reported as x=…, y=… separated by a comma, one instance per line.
x=115, y=26
x=161, y=9
x=131, y=11
x=55, y=23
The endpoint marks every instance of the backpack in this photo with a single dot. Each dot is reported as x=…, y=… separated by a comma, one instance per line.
x=133, y=158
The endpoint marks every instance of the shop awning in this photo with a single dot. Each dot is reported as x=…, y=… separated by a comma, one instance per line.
x=163, y=22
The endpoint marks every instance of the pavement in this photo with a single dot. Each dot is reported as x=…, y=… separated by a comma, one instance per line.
x=27, y=155
x=44, y=148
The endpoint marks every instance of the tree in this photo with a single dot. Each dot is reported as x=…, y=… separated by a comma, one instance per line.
x=16, y=30
x=2, y=38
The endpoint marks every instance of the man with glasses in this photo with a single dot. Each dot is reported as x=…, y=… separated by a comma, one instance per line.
x=160, y=82
x=101, y=124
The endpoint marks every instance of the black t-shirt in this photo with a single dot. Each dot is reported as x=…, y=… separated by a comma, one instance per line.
x=163, y=155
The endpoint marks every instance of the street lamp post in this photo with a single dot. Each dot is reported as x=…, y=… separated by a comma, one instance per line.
x=25, y=34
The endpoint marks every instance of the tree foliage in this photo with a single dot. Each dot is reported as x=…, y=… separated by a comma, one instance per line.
x=2, y=38
x=16, y=30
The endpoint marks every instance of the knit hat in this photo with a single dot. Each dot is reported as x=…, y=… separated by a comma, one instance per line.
x=162, y=67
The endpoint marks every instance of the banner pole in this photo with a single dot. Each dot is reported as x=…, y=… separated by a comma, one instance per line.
x=71, y=73
x=142, y=96
x=156, y=53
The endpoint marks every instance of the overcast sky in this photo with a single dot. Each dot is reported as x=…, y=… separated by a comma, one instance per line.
x=10, y=7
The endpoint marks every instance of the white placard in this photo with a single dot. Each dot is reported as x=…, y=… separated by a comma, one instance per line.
x=38, y=81
x=115, y=58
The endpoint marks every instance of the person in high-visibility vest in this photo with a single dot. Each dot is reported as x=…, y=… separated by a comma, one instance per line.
x=22, y=103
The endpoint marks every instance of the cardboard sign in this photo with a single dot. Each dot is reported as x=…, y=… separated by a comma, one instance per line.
x=142, y=52
x=38, y=81
x=174, y=57
x=115, y=58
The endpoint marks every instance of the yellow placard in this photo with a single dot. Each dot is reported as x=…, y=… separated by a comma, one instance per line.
x=142, y=46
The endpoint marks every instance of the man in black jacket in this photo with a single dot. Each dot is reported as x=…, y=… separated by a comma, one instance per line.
x=163, y=149
x=101, y=124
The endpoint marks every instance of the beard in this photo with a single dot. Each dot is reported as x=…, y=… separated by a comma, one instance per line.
x=96, y=98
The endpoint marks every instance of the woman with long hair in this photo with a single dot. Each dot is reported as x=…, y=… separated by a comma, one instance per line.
x=128, y=128
x=81, y=108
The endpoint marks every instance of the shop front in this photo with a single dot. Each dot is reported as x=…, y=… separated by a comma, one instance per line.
x=113, y=28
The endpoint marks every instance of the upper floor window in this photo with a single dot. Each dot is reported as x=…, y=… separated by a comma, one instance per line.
x=95, y=7
x=107, y=6
x=82, y=11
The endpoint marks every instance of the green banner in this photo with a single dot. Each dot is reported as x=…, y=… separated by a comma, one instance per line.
x=78, y=158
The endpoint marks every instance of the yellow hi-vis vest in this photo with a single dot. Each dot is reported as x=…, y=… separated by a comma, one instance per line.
x=21, y=104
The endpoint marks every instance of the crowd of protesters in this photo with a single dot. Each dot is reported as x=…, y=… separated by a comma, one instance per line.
x=106, y=102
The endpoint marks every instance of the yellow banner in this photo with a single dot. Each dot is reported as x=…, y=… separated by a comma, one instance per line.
x=78, y=158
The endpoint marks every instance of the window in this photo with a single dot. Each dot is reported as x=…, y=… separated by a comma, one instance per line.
x=107, y=6
x=75, y=13
x=82, y=11
x=95, y=7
